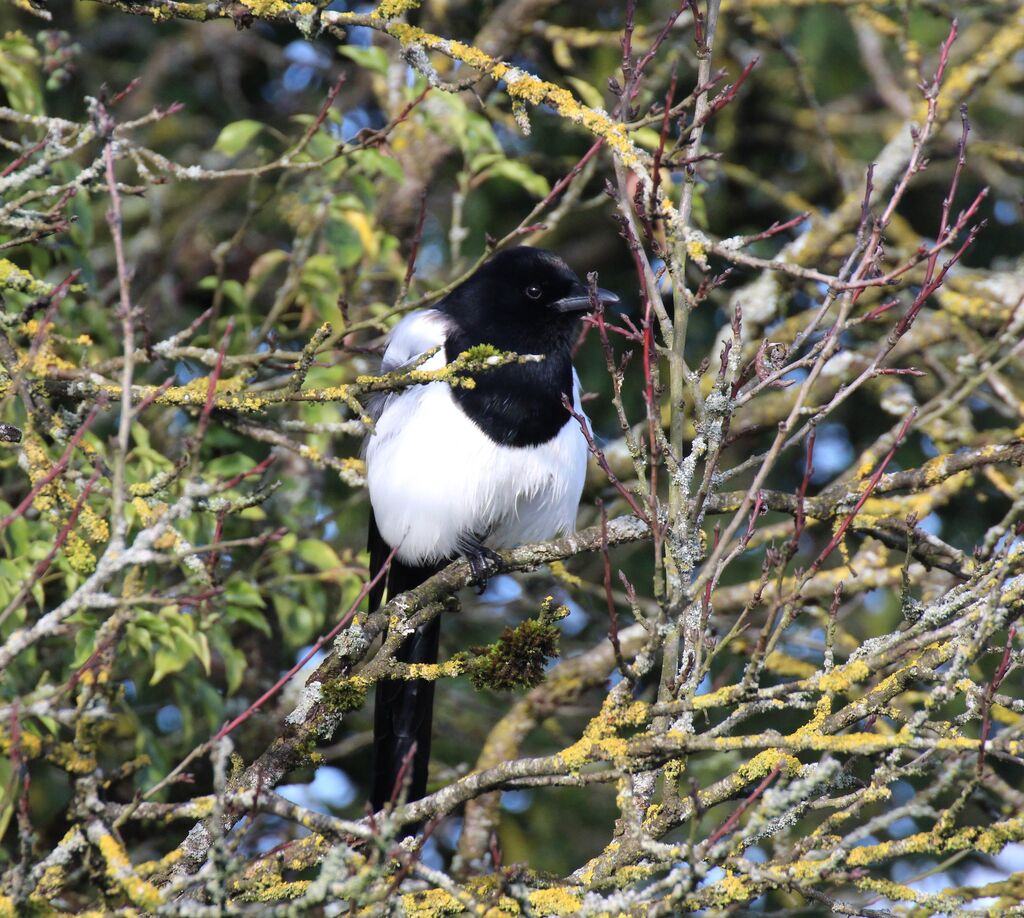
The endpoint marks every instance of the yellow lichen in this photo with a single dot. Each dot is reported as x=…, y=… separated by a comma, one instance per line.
x=29, y=745
x=556, y=901
x=731, y=889
x=525, y=87
x=991, y=841
x=139, y=891
x=842, y=678
x=148, y=515
x=764, y=762
x=783, y=664
x=389, y=9
x=713, y=699
x=167, y=540
x=456, y=666
x=822, y=710
x=599, y=740
x=14, y=278
x=148, y=868
x=431, y=903
x=559, y=569
x=50, y=882
x=267, y=9
x=696, y=251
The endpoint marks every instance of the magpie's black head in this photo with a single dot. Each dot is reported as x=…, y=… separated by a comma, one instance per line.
x=521, y=292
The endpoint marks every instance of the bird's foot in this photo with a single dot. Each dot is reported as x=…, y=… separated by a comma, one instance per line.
x=484, y=562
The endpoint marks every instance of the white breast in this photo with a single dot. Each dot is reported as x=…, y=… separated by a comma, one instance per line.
x=435, y=478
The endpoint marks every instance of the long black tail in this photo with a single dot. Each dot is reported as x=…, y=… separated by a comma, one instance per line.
x=404, y=708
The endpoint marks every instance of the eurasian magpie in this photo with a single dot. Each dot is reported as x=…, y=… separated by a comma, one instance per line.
x=456, y=471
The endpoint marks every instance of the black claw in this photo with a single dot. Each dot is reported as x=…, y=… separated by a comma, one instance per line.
x=481, y=559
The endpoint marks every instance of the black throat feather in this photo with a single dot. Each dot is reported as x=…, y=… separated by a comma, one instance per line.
x=519, y=404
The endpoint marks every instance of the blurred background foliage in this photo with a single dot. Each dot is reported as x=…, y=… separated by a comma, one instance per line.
x=275, y=254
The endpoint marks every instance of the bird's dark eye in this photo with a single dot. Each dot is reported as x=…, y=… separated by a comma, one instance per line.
x=533, y=292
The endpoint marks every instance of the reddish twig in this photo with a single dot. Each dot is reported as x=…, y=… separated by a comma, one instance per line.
x=776, y=228
x=321, y=117
x=872, y=484
x=257, y=469
x=727, y=95
x=662, y=137
x=324, y=639
x=567, y=179
x=17, y=163
x=127, y=91
x=153, y=396
x=801, y=494
x=990, y=690
x=602, y=461
x=743, y=807
x=403, y=770
x=613, y=614
x=659, y=40
x=57, y=469
x=417, y=238
x=58, y=543
x=211, y=387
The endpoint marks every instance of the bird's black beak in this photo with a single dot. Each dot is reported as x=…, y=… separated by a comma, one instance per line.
x=581, y=302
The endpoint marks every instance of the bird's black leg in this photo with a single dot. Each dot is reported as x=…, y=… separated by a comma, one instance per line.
x=484, y=562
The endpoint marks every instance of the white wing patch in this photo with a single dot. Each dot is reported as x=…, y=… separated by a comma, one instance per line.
x=416, y=334
x=435, y=478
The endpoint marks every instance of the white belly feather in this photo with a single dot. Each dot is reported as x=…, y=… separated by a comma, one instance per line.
x=435, y=478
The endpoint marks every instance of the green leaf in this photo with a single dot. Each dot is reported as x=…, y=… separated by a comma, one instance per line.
x=170, y=660
x=261, y=268
x=11, y=576
x=242, y=593
x=6, y=813
x=249, y=616
x=19, y=73
x=235, y=137
x=472, y=132
x=479, y=135
x=203, y=651
x=139, y=638
x=85, y=646
x=344, y=242
x=140, y=435
x=374, y=58
x=319, y=555
x=376, y=163
x=297, y=621
x=232, y=289
x=586, y=92
x=230, y=466
x=522, y=175
x=234, y=667
x=648, y=138
x=18, y=532
x=479, y=163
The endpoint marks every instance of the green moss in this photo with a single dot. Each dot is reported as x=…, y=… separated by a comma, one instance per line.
x=518, y=659
x=481, y=352
x=345, y=694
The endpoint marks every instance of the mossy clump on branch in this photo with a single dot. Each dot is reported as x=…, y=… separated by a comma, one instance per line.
x=517, y=660
x=345, y=694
